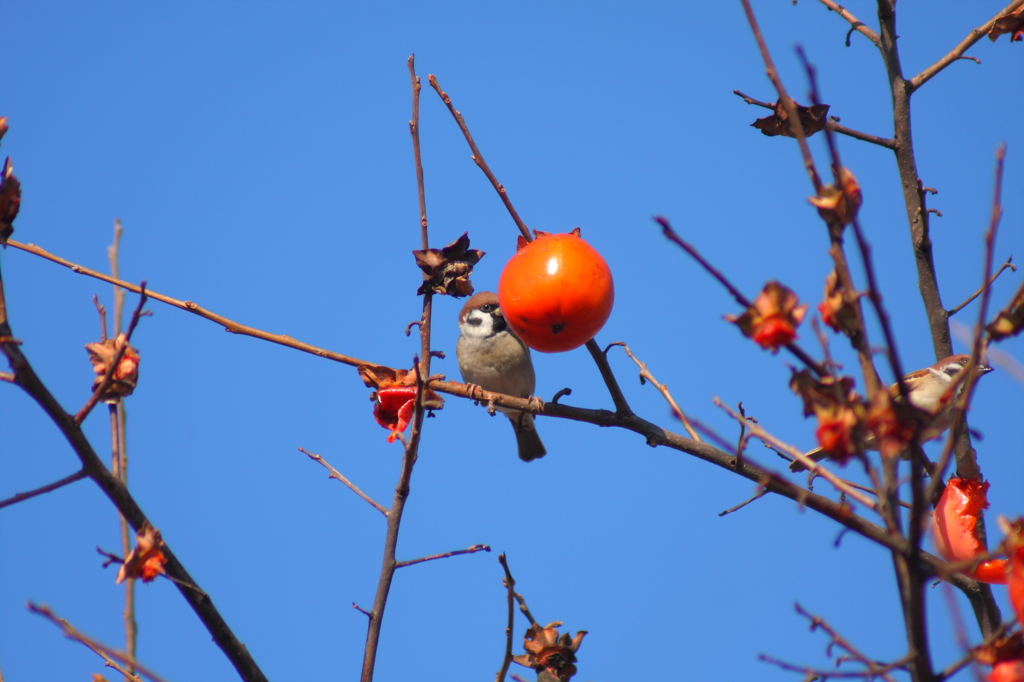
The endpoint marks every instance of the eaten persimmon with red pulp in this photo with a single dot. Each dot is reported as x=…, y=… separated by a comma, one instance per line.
x=556, y=292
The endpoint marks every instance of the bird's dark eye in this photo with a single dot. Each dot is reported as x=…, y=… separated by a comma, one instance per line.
x=488, y=307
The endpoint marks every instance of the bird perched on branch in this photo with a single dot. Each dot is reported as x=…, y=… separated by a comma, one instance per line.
x=496, y=360
x=927, y=389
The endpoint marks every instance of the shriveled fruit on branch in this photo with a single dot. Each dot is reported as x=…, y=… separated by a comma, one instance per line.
x=395, y=397
x=146, y=561
x=839, y=203
x=840, y=411
x=836, y=311
x=556, y=292
x=549, y=654
x=448, y=269
x=773, y=318
x=125, y=377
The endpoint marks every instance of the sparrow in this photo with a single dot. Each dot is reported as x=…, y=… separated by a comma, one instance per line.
x=925, y=389
x=492, y=357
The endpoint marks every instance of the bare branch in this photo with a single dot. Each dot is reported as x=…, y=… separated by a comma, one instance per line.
x=874, y=668
x=855, y=23
x=757, y=496
x=1007, y=265
x=645, y=375
x=335, y=474
x=479, y=158
x=666, y=228
x=758, y=431
x=510, y=584
x=229, y=325
x=114, y=659
x=77, y=476
x=444, y=555
x=974, y=36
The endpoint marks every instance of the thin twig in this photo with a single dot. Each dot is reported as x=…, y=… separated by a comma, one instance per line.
x=645, y=375
x=20, y=497
x=188, y=306
x=112, y=657
x=816, y=674
x=525, y=609
x=835, y=127
x=444, y=555
x=757, y=496
x=968, y=658
x=671, y=234
x=843, y=643
x=1007, y=265
x=741, y=441
x=335, y=474
x=510, y=584
x=974, y=36
x=7, y=376
x=855, y=23
x=759, y=431
x=479, y=158
x=108, y=377
x=103, y=317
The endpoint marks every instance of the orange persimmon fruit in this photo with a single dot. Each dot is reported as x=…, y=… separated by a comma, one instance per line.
x=556, y=292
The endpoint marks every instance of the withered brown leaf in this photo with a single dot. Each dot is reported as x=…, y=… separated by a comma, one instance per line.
x=448, y=269
x=812, y=120
x=1012, y=23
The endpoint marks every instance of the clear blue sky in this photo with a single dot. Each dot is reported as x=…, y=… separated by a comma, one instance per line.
x=259, y=157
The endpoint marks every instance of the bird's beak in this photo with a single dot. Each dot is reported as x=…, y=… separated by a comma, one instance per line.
x=983, y=369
